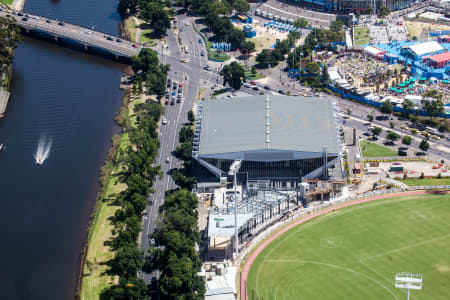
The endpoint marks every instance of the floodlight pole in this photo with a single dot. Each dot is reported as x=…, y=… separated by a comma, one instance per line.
x=234, y=168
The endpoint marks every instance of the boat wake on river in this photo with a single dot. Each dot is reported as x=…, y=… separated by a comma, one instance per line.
x=43, y=150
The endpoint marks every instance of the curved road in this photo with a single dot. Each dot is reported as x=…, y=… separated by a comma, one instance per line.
x=261, y=247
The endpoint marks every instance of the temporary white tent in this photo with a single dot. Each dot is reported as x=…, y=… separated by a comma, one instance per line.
x=373, y=51
x=425, y=48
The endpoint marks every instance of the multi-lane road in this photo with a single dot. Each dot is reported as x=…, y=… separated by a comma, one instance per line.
x=193, y=77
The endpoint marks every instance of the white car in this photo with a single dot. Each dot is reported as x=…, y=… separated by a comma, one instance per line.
x=187, y=24
x=88, y=32
x=168, y=159
x=164, y=121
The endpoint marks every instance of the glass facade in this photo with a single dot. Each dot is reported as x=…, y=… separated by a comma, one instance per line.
x=285, y=170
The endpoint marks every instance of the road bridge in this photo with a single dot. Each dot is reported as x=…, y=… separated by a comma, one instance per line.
x=116, y=46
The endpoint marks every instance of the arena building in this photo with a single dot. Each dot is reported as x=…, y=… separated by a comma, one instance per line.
x=280, y=139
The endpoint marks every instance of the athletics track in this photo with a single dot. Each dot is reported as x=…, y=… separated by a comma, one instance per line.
x=260, y=248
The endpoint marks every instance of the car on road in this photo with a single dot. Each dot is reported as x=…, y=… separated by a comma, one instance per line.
x=20, y=14
x=88, y=32
x=167, y=101
x=420, y=153
x=255, y=88
x=164, y=121
x=48, y=21
x=253, y=82
x=168, y=159
x=24, y=19
x=202, y=53
x=174, y=87
x=187, y=24
x=266, y=87
x=119, y=40
x=134, y=46
x=150, y=202
x=200, y=41
x=282, y=92
x=367, y=123
x=206, y=68
x=61, y=23
x=366, y=133
x=174, y=92
x=180, y=85
x=109, y=38
x=178, y=100
x=172, y=102
x=184, y=60
x=247, y=85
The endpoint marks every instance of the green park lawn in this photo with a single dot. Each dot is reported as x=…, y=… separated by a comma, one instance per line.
x=354, y=253
x=426, y=181
x=375, y=150
x=361, y=36
x=9, y=2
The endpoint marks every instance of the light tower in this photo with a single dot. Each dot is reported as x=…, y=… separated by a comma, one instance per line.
x=234, y=169
x=408, y=281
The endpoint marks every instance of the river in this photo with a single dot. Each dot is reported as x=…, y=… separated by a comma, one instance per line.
x=68, y=98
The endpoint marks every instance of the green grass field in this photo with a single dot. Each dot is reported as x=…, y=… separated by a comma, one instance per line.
x=9, y=2
x=354, y=253
x=426, y=181
x=361, y=36
x=375, y=150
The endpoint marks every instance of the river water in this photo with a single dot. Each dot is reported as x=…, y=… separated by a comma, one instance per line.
x=68, y=98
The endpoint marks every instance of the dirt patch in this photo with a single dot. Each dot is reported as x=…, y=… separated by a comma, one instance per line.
x=443, y=268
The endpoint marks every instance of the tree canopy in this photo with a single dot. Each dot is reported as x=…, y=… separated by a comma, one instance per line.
x=233, y=74
x=301, y=23
x=9, y=39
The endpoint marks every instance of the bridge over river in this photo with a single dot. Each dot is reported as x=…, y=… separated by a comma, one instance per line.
x=84, y=36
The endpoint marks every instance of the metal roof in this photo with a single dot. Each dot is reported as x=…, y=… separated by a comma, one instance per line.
x=303, y=124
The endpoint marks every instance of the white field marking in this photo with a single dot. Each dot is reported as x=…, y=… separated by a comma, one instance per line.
x=319, y=219
x=330, y=242
x=339, y=268
x=361, y=260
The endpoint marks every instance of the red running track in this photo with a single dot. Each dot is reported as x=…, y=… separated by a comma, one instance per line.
x=260, y=248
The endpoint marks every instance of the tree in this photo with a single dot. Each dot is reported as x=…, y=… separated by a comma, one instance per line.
x=408, y=104
x=127, y=7
x=392, y=124
x=406, y=139
x=127, y=261
x=443, y=128
x=186, y=134
x=301, y=23
x=157, y=16
x=128, y=289
x=9, y=39
x=247, y=47
x=233, y=74
x=325, y=77
x=265, y=59
x=433, y=108
x=424, y=145
x=392, y=136
x=376, y=131
x=241, y=6
x=384, y=12
x=191, y=116
x=387, y=107
x=293, y=36
x=313, y=68
x=337, y=25
x=370, y=118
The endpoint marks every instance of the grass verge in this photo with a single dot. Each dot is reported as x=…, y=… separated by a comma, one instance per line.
x=360, y=36
x=369, y=149
x=426, y=181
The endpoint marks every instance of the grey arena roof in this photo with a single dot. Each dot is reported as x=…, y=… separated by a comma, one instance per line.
x=238, y=124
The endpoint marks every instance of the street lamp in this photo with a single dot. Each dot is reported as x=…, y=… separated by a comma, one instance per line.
x=408, y=281
x=234, y=169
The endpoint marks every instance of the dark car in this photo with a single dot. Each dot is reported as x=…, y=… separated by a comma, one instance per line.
x=172, y=102
x=403, y=149
x=366, y=134
x=282, y=92
x=24, y=19
x=109, y=38
x=48, y=21
x=61, y=23
x=402, y=153
x=420, y=153
x=266, y=87
x=20, y=14
x=255, y=88
x=119, y=40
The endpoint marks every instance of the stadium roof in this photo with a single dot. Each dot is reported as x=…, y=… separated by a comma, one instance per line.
x=441, y=58
x=238, y=124
x=425, y=48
